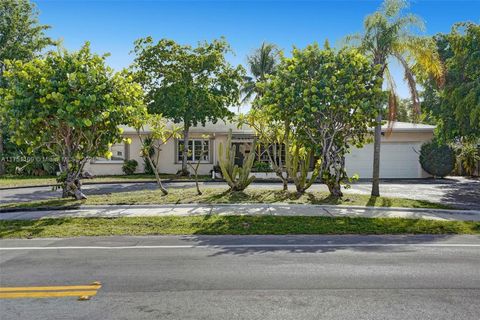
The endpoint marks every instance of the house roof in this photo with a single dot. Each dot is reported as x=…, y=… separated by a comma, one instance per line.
x=409, y=127
x=222, y=127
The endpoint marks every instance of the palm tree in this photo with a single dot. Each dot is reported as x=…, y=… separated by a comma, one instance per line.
x=388, y=36
x=261, y=63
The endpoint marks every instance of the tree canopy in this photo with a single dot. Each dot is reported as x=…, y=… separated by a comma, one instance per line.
x=69, y=104
x=389, y=35
x=187, y=85
x=261, y=63
x=21, y=38
x=456, y=106
x=21, y=35
x=325, y=97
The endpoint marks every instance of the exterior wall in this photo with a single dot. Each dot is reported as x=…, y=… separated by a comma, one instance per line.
x=168, y=164
x=167, y=158
x=408, y=137
x=399, y=154
x=102, y=168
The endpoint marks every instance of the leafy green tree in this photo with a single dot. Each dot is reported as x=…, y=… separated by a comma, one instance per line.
x=271, y=137
x=69, y=105
x=388, y=36
x=455, y=106
x=403, y=112
x=153, y=132
x=261, y=63
x=21, y=38
x=324, y=98
x=188, y=85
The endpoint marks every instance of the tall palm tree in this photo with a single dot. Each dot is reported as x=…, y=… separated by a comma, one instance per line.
x=261, y=63
x=388, y=36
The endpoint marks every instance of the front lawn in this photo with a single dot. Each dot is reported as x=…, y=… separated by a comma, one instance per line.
x=183, y=195
x=236, y=225
x=10, y=181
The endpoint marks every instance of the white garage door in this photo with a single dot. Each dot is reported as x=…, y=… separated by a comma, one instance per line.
x=397, y=160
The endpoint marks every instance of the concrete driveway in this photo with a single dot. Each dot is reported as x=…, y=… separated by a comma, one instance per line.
x=459, y=192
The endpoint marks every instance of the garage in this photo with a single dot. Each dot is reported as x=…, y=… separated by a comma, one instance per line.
x=398, y=156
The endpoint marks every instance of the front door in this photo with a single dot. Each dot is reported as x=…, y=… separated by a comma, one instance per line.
x=239, y=156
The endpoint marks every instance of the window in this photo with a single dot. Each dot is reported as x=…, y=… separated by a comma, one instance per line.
x=198, y=149
x=118, y=153
x=276, y=151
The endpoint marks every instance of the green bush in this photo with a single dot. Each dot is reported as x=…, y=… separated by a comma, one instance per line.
x=261, y=167
x=129, y=166
x=469, y=157
x=437, y=159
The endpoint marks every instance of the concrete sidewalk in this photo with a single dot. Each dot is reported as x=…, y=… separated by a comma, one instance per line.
x=247, y=209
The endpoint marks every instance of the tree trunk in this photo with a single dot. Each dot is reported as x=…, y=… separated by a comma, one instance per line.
x=335, y=189
x=279, y=173
x=285, y=184
x=186, y=129
x=73, y=187
x=300, y=187
x=196, y=184
x=2, y=163
x=376, y=156
x=157, y=176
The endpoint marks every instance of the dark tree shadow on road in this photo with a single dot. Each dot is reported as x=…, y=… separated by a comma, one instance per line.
x=298, y=244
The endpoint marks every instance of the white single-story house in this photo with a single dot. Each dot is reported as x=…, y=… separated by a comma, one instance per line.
x=399, y=151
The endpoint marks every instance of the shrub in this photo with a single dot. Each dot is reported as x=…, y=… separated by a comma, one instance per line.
x=129, y=166
x=469, y=156
x=261, y=167
x=437, y=159
x=32, y=168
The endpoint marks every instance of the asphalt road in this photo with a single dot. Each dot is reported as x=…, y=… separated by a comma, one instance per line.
x=256, y=277
x=460, y=192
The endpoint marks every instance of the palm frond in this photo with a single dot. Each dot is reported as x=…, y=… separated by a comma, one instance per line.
x=352, y=40
x=412, y=85
x=422, y=53
x=392, y=100
x=408, y=22
x=247, y=90
x=263, y=61
x=392, y=8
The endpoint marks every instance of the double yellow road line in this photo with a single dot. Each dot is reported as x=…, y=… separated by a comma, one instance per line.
x=84, y=292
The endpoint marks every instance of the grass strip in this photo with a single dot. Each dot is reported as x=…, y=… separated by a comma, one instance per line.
x=233, y=225
x=12, y=181
x=185, y=195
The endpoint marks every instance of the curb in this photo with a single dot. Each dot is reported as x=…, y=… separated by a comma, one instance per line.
x=173, y=205
x=111, y=182
x=361, y=181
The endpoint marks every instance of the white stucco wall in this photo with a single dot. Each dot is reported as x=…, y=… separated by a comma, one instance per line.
x=167, y=158
x=399, y=154
x=396, y=144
